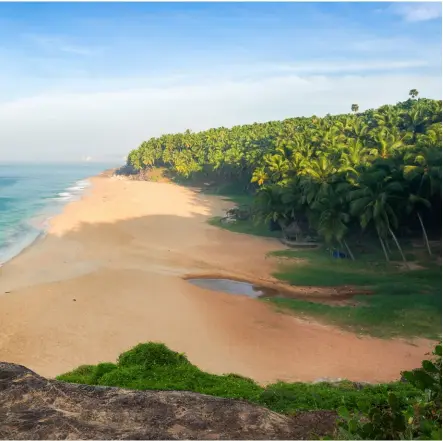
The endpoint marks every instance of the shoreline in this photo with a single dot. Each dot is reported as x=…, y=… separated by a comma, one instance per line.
x=42, y=232
x=111, y=273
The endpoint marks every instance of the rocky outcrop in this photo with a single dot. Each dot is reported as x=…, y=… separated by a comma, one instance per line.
x=32, y=407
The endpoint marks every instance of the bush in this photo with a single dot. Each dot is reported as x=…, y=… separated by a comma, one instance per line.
x=417, y=418
x=152, y=366
x=409, y=409
x=150, y=355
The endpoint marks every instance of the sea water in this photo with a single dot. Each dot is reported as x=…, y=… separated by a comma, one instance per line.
x=30, y=194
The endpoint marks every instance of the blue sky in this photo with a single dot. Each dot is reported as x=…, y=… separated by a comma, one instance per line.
x=96, y=79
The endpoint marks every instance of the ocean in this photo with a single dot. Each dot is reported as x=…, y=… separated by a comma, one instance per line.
x=30, y=194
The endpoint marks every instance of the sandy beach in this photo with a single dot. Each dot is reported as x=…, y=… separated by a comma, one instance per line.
x=110, y=274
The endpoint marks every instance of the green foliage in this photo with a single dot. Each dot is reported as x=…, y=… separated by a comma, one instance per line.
x=288, y=397
x=379, y=169
x=152, y=366
x=415, y=418
x=150, y=355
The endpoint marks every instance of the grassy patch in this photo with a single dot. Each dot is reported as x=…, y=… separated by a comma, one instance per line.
x=152, y=366
x=404, y=302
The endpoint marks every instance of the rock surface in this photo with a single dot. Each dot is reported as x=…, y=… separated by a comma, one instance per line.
x=32, y=407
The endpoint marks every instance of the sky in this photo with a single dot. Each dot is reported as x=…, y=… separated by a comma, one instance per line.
x=94, y=80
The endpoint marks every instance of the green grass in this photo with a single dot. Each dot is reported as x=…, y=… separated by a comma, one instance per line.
x=152, y=366
x=404, y=302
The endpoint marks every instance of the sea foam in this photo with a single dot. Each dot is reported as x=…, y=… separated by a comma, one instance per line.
x=30, y=195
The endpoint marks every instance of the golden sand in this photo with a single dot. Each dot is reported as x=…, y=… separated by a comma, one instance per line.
x=109, y=275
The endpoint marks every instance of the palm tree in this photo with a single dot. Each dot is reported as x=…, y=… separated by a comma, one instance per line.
x=415, y=121
x=353, y=157
x=413, y=93
x=268, y=206
x=423, y=168
x=354, y=108
x=387, y=116
x=332, y=219
x=374, y=201
x=277, y=167
x=414, y=202
x=315, y=187
x=424, y=174
x=359, y=129
x=387, y=143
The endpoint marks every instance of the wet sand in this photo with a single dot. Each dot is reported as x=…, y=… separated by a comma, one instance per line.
x=109, y=275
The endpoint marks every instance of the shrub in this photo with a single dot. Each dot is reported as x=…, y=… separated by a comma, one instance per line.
x=150, y=355
x=152, y=366
x=417, y=418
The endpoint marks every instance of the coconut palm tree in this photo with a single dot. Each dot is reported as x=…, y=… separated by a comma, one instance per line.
x=414, y=122
x=359, y=130
x=268, y=206
x=423, y=168
x=374, y=201
x=353, y=157
x=332, y=218
x=277, y=167
x=415, y=202
x=319, y=174
x=387, y=116
x=387, y=143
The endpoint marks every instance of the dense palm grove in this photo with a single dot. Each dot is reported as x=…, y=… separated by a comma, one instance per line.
x=376, y=171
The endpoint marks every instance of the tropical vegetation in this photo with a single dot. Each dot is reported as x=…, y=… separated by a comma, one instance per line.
x=377, y=171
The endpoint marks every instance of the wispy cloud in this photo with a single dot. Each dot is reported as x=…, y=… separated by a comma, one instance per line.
x=59, y=44
x=78, y=50
x=319, y=67
x=350, y=66
x=58, y=75
x=376, y=44
x=113, y=122
x=413, y=12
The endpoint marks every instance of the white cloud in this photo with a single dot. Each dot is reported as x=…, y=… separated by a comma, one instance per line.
x=418, y=11
x=69, y=126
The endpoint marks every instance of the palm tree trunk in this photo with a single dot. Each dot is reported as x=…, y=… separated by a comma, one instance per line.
x=283, y=228
x=398, y=245
x=388, y=247
x=349, y=250
x=424, y=233
x=383, y=247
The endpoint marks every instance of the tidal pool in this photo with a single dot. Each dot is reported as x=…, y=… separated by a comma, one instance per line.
x=327, y=295
x=231, y=287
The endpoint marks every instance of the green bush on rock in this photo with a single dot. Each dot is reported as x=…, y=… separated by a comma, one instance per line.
x=153, y=366
x=150, y=355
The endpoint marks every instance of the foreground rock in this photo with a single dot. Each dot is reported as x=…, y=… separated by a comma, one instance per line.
x=32, y=407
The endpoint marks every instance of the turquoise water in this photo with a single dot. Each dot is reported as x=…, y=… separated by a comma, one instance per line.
x=30, y=194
